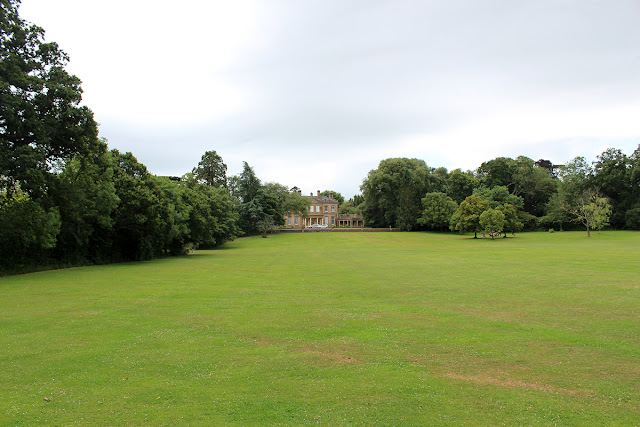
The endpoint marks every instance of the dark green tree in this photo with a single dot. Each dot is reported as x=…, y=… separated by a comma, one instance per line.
x=41, y=120
x=613, y=178
x=460, y=185
x=534, y=184
x=498, y=195
x=393, y=193
x=512, y=222
x=499, y=171
x=85, y=195
x=437, y=211
x=211, y=170
x=27, y=231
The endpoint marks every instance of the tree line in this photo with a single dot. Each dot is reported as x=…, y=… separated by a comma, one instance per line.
x=67, y=199
x=505, y=194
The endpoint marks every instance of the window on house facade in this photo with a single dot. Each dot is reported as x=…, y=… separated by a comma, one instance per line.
x=288, y=220
x=317, y=208
x=326, y=208
x=296, y=220
x=333, y=220
x=310, y=208
x=333, y=208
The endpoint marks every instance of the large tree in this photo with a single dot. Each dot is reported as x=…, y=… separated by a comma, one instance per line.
x=437, y=211
x=467, y=217
x=211, y=170
x=41, y=120
x=492, y=222
x=393, y=193
x=590, y=209
x=535, y=184
x=499, y=171
x=613, y=177
x=460, y=185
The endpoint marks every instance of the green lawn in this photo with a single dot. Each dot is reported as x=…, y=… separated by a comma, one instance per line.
x=335, y=329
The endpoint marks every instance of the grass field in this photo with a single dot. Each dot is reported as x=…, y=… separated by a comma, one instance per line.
x=335, y=329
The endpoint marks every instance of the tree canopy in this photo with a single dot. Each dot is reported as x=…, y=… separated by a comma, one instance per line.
x=211, y=170
x=41, y=119
x=393, y=193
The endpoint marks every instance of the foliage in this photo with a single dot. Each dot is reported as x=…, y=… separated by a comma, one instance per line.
x=498, y=172
x=460, y=185
x=498, y=195
x=336, y=196
x=296, y=204
x=467, y=217
x=85, y=195
x=27, y=231
x=256, y=202
x=591, y=210
x=265, y=225
x=438, y=209
x=41, y=120
x=352, y=206
x=534, y=184
x=512, y=221
x=632, y=218
x=492, y=221
x=613, y=178
x=211, y=170
x=393, y=193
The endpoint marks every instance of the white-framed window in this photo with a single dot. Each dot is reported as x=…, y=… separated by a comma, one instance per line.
x=296, y=220
x=317, y=208
x=326, y=220
x=333, y=220
x=289, y=220
x=310, y=208
x=326, y=208
x=333, y=208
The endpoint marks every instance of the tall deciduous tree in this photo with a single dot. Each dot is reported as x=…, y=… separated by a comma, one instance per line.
x=460, y=185
x=612, y=176
x=511, y=221
x=535, y=184
x=211, y=170
x=467, y=217
x=499, y=171
x=498, y=195
x=492, y=221
x=591, y=210
x=41, y=120
x=437, y=211
x=393, y=193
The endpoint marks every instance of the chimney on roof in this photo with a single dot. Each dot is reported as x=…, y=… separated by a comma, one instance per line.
x=331, y=195
x=318, y=193
x=299, y=192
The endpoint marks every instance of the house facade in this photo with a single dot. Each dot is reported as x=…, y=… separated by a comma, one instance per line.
x=323, y=210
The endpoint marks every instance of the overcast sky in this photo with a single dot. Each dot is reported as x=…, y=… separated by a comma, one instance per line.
x=316, y=93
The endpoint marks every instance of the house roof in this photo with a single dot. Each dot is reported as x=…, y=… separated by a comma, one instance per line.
x=322, y=199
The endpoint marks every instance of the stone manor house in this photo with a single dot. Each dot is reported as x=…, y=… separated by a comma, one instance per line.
x=324, y=210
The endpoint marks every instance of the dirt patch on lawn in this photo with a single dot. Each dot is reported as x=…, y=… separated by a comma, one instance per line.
x=332, y=357
x=514, y=383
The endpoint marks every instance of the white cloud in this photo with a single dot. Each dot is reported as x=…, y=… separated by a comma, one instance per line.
x=315, y=94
